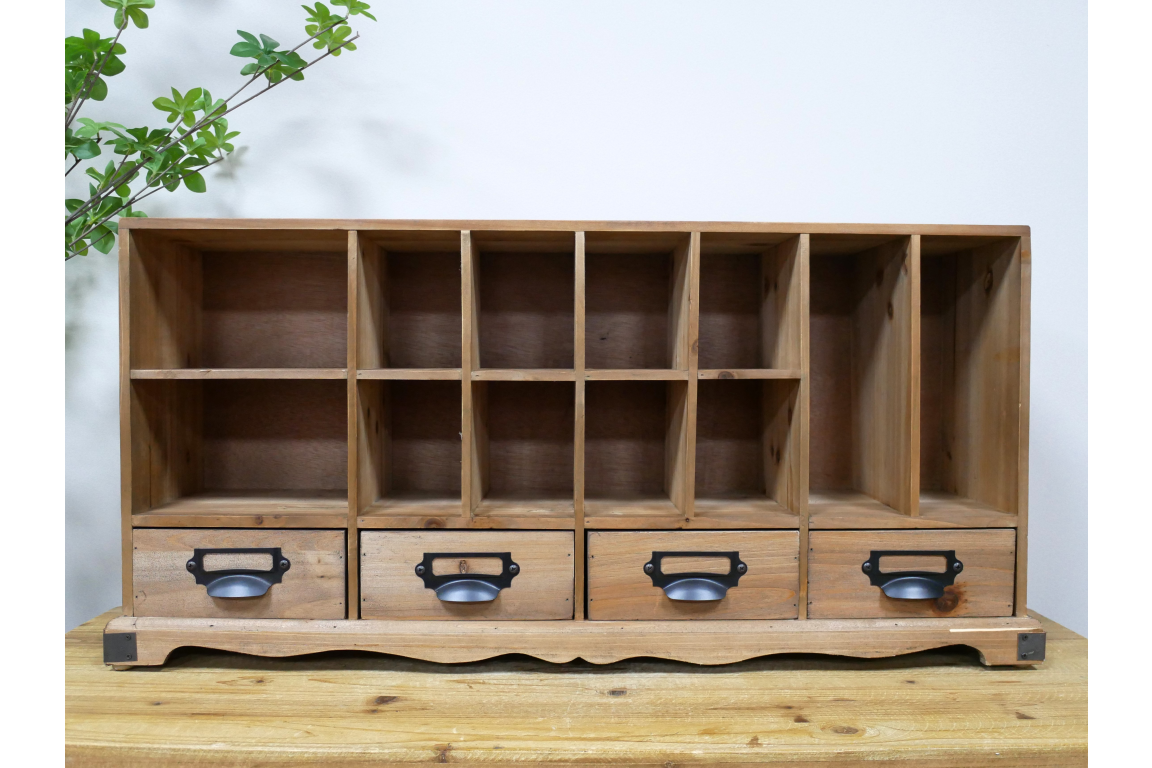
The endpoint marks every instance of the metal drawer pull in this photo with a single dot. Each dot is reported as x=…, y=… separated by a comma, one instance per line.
x=239, y=582
x=695, y=586
x=467, y=588
x=912, y=585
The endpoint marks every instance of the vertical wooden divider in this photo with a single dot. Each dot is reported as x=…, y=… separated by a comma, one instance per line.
x=127, y=244
x=578, y=452
x=693, y=347
x=803, y=262
x=471, y=489
x=353, y=546
x=1025, y=258
x=914, y=373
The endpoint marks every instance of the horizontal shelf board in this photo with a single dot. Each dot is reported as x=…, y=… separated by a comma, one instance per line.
x=505, y=506
x=632, y=507
x=251, y=509
x=750, y=373
x=767, y=512
x=524, y=374
x=416, y=374
x=635, y=374
x=223, y=228
x=239, y=373
x=413, y=511
x=849, y=510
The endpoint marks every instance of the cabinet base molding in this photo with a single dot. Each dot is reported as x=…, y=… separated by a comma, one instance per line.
x=999, y=641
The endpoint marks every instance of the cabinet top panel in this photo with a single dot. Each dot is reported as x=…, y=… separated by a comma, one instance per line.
x=525, y=225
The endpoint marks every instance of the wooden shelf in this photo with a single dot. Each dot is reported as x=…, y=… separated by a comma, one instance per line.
x=850, y=510
x=413, y=374
x=509, y=511
x=524, y=374
x=251, y=509
x=750, y=373
x=413, y=510
x=201, y=374
x=635, y=374
x=768, y=512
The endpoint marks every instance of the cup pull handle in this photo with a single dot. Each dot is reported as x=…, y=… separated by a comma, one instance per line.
x=695, y=587
x=471, y=587
x=238, y=582
x=912, y=585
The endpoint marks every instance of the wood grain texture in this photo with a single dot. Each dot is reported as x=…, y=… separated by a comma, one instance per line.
x=284, y=508
x=197, y=374
x=390, y=588
x=313, y=588
x=618, y=588
x=850, y=510
x=528, y=436
x=526, y=309
x=383, y=710
x=624, y=448
x=273, y=310
x=838, y=588
x=274, y=434
x=862, y=362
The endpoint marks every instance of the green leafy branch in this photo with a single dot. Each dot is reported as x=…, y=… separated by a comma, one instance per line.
x=198, y=137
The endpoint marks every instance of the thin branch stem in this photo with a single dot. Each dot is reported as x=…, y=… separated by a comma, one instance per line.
x=156, y=187
x=114, y=180
x=72, y=167
x=90, y=80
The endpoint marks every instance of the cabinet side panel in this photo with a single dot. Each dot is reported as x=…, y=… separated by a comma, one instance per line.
x=1025, y=399
x=882, y=360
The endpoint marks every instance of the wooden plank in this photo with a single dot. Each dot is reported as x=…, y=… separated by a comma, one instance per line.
x=200, y=374
x=620, y=590
x=881, y=375
x=801, y=291
x=1021, y=607
x=912, y=373
x=528, y=374
x=370, y=304
x=750, y=373
x=130, y=471
x=473, y=446
x=192, y=228
x=541, y=590
x=848, y=510
x=578, y=470
x=838, y=588
x=273, y=310
x=410, y=374
x=687, y=508
x=312, y=587
x=652, y=374
x=357, y=471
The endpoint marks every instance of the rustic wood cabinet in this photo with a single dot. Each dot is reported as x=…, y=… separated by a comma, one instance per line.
x=455, y=439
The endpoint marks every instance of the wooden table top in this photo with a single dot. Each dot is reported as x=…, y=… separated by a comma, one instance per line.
x=938, y=708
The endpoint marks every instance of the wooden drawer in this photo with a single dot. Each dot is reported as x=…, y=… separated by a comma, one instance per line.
x=838, y=587
x=541, y=587
x=312, y=587
x=620, y=589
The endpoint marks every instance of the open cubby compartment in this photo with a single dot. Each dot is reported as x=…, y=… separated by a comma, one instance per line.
x=409, y=299
x=522, y=449
x=634, y=448
x=409, y=449
x=274, y=450
x=523, y=302
x=861, y=379
x=246, y=299
x=751, y=300
x=750, y=451
x=970, y=375
x=636, y=300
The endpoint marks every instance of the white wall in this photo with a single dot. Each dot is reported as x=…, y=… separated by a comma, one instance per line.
x=883, y=111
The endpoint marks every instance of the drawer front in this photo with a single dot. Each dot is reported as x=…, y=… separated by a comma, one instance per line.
x=839, y=588
x=619, y=589
x=312, y=586
x=541, y=587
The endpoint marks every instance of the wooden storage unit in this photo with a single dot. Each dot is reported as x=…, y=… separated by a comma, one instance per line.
x=784, y=396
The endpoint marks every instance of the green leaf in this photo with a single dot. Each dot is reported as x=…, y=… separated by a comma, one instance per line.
x=139, y=18
x=103, y=239
x=195, y=182
x=99, y=90
x=87, y=150
x=73, y=204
